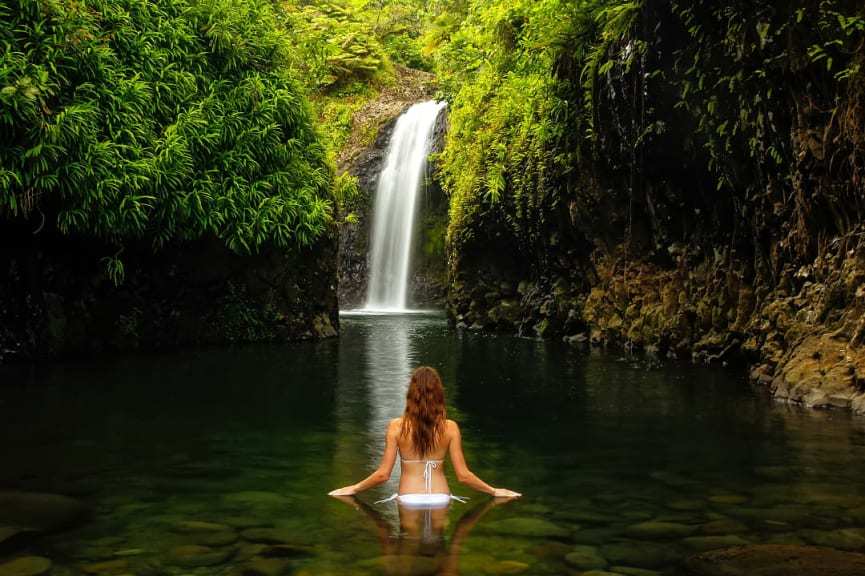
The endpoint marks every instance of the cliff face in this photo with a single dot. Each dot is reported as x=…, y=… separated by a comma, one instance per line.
x=716, y=214
x=57, y=301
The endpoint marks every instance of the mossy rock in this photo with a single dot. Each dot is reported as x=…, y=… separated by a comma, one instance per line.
x=529, y=527
x=775, y=560
x=26, y=566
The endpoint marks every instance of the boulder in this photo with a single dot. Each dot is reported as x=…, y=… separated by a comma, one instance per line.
x=774, y=560
x=40, y=511
x=26, y=566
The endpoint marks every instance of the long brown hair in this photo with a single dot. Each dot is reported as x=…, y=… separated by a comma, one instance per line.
x=424, y=418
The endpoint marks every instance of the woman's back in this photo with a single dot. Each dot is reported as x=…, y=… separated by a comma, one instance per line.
x=422, y=474
x=421, y=438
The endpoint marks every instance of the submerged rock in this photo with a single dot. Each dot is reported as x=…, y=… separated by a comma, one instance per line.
x=15, y=537
x=264, y=567
x=631, y=571
x=40, y=511
x=26, y=566
x=109, y=567
x=275, y=536
x=847, y=539
x=585, y=558
x=192, y=526
x=701, y=543
x=640, y=554
x=775, y=560
x=724, y=526
x=505, y=567
x=286, y=551
x=223, y=538
x=532, y=527
x=401, y=564
x=660, y=530
x=193, y=556
x=256, y=498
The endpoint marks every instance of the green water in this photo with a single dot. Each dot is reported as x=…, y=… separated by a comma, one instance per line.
x=624, y=464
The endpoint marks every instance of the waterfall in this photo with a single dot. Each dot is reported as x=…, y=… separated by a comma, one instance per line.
x=393, y=213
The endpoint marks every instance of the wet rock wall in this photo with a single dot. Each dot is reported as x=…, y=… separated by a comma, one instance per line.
x=664, y=239
x=56, y=300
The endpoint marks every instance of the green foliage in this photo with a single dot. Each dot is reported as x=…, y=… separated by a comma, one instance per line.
x=398, y=26
x=165, y=120
x=536, y=86
x=740, y=81
x=347, y=191
x=243, y=319
x=114, y=269
x=129, y=324
x=613, y=46
x=332, y=47
x=336, y=113
x=511, y=137
x=406, y=50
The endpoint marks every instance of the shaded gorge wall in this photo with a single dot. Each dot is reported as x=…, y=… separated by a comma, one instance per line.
x=56, y=301
x=715, y=211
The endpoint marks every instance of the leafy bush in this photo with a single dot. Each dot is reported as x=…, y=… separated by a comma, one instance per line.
x=496, y=64
x=332, y=47
x=164, y=120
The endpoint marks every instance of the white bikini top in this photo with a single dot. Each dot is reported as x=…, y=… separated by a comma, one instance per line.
x=427, y=471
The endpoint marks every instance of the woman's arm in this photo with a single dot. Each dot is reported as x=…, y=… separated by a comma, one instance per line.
x=466, y=476
x=381, y=475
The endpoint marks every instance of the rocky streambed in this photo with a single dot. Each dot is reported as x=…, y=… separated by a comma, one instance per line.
x=812, y=530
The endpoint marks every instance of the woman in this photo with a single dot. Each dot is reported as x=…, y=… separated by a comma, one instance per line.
x=422, y=437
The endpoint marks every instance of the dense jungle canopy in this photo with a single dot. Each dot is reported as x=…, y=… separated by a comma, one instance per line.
x=177, y=118
x=604, y=143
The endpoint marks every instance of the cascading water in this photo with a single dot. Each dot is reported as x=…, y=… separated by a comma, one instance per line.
x=394, y=210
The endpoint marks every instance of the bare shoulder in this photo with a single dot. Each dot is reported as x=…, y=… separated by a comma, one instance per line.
x=452, y=427
x=394, y=426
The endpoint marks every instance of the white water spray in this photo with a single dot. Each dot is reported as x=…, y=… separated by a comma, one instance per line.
x=394, y=210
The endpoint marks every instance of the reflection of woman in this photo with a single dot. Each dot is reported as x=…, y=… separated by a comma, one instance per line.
x=421, y=538
x=422, y=437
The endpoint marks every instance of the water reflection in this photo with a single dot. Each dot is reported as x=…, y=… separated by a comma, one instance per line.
x=606, y=451
x=391, y=347
x=418, y=544
x=388, y=368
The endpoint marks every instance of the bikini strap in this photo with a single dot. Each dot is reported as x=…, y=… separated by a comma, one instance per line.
x=427, y=472
x=390, y=498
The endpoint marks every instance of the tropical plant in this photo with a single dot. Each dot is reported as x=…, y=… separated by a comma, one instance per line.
x=168, y=120
x=511, y=141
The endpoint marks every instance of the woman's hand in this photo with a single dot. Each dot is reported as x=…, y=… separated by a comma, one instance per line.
x=345, y=491
x=505, y=493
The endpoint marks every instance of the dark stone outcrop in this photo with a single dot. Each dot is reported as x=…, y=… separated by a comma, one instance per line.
x=56, y=300
x=663, y=240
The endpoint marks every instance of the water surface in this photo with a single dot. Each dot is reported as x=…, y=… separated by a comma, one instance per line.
x=625, y=464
